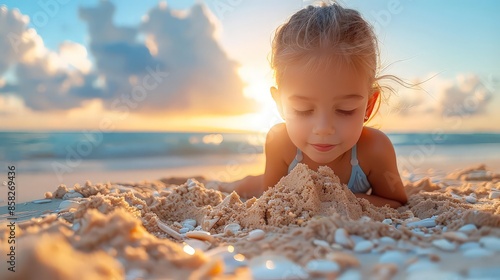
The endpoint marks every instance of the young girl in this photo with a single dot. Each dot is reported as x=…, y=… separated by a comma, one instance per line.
x=325, y=63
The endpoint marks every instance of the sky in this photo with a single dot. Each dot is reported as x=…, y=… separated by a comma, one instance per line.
x=183, y=65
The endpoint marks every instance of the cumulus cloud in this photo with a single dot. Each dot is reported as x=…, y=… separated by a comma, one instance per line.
x=43, y=79
x=466, y=95
x=169, y=63
x=15, y=39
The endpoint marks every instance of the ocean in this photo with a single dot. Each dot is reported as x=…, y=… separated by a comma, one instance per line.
x=34, y=152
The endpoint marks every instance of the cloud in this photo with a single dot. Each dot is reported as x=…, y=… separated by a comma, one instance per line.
x=170, y=63
x=466, y=95
x=15, y=39
x=469, y=96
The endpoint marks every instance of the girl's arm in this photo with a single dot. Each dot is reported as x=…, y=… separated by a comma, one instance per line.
x=379, y=201
x=277, y=144
x=276, y=167
x=387, y=187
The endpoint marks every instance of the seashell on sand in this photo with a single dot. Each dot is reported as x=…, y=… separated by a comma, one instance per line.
x=444, y=245
x=421, y=265
x=395, y=257
x=342, y=238
x=475, y=253
x=256, y=234
x=491, y=243
x=198, y=244
x=72, y=195
x=190, y=222
x=387, y=221
x=468, y=228
x=321, y=243
x=429, y=222
x=200, y=235
x=232, y=228
x=67, y=204
x=471, y=199
x=387, y=240
x=363, y=246
x=494, y=195
x=168, y=229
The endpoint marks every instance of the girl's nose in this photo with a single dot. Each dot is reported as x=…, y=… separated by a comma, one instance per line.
x=323, y=126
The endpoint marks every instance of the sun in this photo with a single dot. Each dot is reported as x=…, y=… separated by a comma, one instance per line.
x=258, y=82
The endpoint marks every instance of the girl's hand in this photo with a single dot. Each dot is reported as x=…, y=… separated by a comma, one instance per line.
x=379, y=201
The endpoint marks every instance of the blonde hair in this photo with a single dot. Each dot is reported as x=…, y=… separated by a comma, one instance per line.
x=316, y=35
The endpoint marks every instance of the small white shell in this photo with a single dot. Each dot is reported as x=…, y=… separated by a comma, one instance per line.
x=387, y=221
x=190, y=222
x=471, y=199
x=200, y=235
x=387, y=240
x=421, y=265
x=321, y=243
x=363, y=246
x=444, y=245
x=342, y=238
x=168, y=229
x=72, y=195
x=494, y=194
x=198, y=244
x=395, y=257
x=256, y=234
x=477, y=253
x=491, y=243
x=233, y=228
x=68, y=204
x=469, y=245
x=429, y=222
x=468, y=228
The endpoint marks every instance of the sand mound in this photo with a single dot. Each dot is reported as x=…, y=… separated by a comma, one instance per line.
x=115, y=229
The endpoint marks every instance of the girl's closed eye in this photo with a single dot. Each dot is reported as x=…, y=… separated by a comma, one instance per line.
x=303, y=112
x=346, y=112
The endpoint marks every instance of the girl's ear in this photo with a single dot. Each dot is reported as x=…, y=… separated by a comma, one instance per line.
x=371, y=104
x=276, y=96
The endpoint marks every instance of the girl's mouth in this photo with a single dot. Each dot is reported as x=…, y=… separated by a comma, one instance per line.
x=323, y=147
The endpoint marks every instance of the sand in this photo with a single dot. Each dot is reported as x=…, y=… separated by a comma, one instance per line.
x=308, y=225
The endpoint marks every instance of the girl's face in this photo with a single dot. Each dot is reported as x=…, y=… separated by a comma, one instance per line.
x=324, y=111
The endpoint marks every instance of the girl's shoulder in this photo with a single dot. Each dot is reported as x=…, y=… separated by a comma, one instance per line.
x=278, y=142
x=374, y=145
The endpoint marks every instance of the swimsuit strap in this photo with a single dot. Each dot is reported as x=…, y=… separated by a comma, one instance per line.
x=298, y=158
x=354, y=156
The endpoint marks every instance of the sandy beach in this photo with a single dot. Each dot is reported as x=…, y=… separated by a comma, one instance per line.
x=309, y=226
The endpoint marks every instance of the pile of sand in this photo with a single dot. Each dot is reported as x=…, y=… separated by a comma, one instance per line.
x=115, y=232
